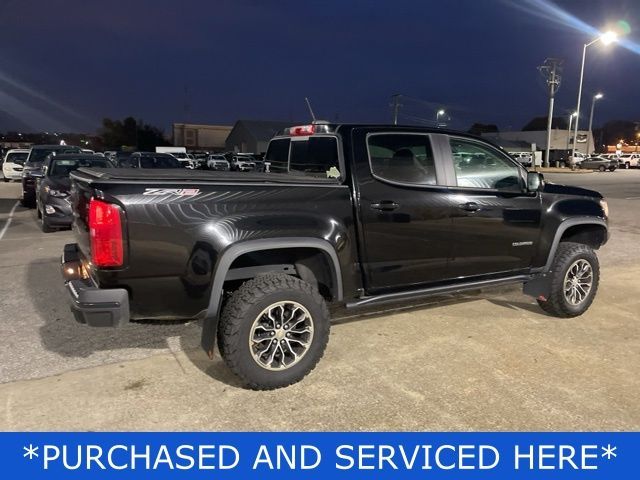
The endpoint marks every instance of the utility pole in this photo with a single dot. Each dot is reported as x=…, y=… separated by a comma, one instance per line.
x=396, y=107
x=551, y=70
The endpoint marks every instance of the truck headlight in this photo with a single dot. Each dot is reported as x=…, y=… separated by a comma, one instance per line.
x=605, y=207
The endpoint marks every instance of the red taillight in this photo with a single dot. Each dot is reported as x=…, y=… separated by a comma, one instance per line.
x=105, y=230
x=302, y=130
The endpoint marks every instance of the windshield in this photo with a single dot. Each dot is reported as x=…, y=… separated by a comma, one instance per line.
x=62, y=167
x=17, y=157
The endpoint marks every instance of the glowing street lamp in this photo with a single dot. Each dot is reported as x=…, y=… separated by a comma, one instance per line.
x=606, y=38
x=438, y=113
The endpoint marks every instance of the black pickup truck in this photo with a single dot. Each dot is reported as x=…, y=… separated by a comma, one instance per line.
x=348, y=215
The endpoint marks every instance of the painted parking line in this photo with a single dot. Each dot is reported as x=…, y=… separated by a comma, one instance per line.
x=9, y=220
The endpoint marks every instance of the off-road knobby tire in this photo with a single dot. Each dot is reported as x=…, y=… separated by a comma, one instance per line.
x=567, y=253
x=241, y=310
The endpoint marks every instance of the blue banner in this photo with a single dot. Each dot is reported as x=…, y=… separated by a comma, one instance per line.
x=320, y=455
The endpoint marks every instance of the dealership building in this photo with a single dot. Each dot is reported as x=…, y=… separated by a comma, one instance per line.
x=560, y=139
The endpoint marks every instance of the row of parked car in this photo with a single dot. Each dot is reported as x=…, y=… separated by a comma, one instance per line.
x=242, y=162
x=626, y=160
x=44, y=172
x=608, y=161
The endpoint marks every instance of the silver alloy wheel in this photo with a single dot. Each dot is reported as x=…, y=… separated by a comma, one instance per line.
x=578, y=282
x=281, y=335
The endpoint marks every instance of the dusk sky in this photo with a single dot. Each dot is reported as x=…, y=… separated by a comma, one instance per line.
x=64, y=65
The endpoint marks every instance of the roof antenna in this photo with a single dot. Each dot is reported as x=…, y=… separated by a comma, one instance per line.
x=310, y=109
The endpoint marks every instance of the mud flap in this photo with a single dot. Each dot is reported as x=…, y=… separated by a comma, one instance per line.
x=539, y=287
x=209, y=331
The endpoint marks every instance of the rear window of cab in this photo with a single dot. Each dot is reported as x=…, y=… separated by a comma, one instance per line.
x=315, y=155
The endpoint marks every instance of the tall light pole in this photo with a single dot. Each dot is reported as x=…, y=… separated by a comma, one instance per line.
x=605, y=38
x=574, y=114
x=438, y=113
x=552, y=71
x=597, y=96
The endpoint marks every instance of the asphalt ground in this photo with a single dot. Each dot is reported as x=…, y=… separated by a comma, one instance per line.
x=490, y=360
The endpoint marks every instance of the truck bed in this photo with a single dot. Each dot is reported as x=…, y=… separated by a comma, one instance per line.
x=176, y=175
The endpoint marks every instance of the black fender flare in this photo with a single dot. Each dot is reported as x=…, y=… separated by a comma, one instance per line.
x=539, y=286
x=234, y=251
x=563, y=227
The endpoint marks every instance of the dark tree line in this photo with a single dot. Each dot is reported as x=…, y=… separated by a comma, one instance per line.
x=130, y=133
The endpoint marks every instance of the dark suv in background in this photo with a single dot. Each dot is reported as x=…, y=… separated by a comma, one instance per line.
x=33, y=168
x=53, y=187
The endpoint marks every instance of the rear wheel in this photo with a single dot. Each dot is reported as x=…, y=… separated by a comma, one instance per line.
x=575, y=275
x=612, y=169
x=273, y=331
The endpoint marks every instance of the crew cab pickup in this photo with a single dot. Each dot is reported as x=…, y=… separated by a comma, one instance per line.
x=348, y=215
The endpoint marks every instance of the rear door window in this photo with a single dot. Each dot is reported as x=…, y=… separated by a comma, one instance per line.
x=404, y=158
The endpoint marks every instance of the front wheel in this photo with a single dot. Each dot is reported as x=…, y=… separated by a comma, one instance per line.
x=627, y=166
x=273, y=331
x=574, y=275
x=602, y=168
x=612, y=169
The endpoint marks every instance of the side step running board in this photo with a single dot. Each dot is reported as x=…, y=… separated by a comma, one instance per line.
x=427, y=292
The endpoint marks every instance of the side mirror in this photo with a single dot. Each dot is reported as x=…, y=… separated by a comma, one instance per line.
x=535, y=180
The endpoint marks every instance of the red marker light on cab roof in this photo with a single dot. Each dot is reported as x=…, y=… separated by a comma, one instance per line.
x=302, y=130
x=105, y=231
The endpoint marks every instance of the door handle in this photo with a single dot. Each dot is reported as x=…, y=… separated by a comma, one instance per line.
x=385, y=205
x=470, y=207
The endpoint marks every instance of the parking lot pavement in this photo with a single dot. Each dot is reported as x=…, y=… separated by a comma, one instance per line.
x=483, y=361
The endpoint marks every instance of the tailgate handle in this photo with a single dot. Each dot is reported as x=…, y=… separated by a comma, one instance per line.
x=385, y=205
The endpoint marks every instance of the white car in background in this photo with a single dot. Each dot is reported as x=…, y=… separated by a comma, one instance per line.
x=628, y=160
x=13, y=164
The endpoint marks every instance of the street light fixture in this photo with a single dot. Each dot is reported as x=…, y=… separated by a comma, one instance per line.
x=438, y=113
x=606, y=38
x=597, y=96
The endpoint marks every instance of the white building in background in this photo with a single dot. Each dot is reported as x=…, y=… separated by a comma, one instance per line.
x=201, y=137
x=560, y=139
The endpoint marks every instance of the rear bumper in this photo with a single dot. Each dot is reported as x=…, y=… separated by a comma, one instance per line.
x=12, y=175
x=90, y=304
